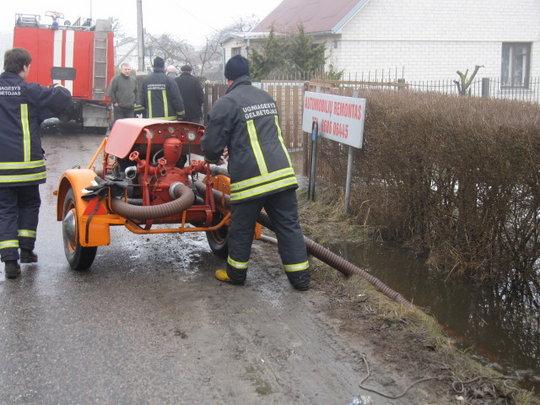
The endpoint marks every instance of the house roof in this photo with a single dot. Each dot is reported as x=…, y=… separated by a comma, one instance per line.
x=244, y=36
x=314, y=15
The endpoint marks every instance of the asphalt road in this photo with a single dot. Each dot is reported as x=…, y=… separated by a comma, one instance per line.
x=149, y=323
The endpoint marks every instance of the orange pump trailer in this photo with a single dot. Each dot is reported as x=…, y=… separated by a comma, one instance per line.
x=86, y=222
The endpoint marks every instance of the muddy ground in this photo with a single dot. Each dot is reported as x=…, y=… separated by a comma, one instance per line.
x=149, y=324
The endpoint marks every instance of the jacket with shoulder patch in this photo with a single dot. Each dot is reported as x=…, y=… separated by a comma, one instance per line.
x=23, y=107
x=246, y=121
x=160, y=97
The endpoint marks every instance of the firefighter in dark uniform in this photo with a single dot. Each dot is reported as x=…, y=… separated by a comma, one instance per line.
x=160, y=97
x=23, y=107
x=246, y=121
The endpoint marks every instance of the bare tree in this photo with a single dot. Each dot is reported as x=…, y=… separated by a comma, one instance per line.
x=124, y=45
x=207, y=61
x=175, y=52
x=210, y=56
x=465, y=82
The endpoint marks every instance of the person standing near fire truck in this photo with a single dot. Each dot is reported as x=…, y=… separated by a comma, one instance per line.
x=160, y=97
x=192, y=94
x=123, y=93
x=23, y=107
x=246, y=122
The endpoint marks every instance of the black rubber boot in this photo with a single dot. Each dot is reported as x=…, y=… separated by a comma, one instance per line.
x=299, y=279
x=12, y=269
x=236, y=277
x=28, y=256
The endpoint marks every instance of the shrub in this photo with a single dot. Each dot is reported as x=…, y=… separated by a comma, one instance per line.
x=455, y=178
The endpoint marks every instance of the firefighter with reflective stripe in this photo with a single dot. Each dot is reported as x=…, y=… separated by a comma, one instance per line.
x=23, y=107
x=160, y=96
x=246, y=122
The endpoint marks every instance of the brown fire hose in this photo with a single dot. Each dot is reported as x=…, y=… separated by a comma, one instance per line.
x=184, y=198
x=320, y=252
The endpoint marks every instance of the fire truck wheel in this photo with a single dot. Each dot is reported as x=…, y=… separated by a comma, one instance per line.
x=79, y=258
x=218, y=240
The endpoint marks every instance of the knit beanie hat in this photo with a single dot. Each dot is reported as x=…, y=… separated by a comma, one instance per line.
x=236, y=66
x=159, y=63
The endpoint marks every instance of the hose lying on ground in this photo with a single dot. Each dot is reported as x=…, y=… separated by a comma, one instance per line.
x=320, y=252
x=184, y=198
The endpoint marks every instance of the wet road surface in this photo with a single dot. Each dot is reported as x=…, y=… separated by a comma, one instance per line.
x=149, y=324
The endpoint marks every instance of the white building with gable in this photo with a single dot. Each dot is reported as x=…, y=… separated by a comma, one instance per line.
x=424, y=39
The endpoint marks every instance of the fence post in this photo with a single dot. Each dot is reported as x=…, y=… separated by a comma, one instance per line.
x=401, y=84
x=348, y=179
x=485, y=87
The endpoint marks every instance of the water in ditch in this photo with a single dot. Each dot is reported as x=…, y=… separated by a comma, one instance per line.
x=498, y=320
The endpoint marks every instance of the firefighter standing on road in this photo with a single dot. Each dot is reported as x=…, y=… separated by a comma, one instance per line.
x=245, y=121
x=160, y=97
x=23, y=107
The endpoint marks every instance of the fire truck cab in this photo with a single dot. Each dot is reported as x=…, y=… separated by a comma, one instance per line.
x=78, y=55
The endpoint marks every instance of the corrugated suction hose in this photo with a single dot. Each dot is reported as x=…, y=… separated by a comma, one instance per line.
x=323, y=254
x=184, y=198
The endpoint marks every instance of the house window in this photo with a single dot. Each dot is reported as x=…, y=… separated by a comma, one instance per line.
x=236, y=51
x=516, y=64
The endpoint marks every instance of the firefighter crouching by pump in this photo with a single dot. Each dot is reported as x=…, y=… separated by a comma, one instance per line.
x=160, y=97
x=246, y=121
x=23, y=107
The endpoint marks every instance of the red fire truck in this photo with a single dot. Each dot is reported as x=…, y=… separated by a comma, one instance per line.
x=80, y=56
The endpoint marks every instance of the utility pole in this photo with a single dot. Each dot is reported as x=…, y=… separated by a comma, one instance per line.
x=140, y=37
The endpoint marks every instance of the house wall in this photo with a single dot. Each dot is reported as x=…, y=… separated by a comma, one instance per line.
x=234, y=43
x=431, y=39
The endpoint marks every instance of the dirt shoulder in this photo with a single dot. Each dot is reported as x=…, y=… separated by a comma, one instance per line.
x=407, y=341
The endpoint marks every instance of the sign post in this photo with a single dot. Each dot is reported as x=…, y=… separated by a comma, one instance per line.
x=349, y=178
x=313, y=171
x=340, y=119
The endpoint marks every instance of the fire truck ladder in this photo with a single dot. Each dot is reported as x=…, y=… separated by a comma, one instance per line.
x=100, y=64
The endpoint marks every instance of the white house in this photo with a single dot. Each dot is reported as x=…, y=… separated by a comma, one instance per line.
x=424, y=39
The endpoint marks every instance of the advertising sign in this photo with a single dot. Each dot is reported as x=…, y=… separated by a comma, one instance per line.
x=339, y=118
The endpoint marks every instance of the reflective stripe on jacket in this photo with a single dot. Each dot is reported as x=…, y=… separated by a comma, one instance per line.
x=160, y=97
x=23, y=107
x=246, y=121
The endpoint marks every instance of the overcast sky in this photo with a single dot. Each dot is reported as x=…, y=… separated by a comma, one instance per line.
x=190, y=20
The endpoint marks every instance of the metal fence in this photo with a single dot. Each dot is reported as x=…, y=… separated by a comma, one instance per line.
x=483, y=87
x=289, y=94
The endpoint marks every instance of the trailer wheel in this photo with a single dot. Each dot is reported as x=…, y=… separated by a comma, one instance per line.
x=218, y=240
x=79, y=258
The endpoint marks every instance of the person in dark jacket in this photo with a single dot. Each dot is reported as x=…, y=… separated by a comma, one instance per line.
x=23, y=107
x=192, y=94
x=123, y=93
x=246, y=122
x=160, y=97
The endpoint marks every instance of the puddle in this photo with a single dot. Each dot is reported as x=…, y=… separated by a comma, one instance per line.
x=498, y=320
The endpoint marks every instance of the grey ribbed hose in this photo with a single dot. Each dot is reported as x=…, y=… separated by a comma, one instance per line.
x=323, y=254
x=184, y=198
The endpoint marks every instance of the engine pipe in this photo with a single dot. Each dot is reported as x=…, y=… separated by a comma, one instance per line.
x=320, y=252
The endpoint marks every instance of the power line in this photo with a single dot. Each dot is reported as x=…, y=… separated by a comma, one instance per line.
x=197, y=17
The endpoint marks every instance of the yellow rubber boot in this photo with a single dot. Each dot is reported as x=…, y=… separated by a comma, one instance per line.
x=222, y=275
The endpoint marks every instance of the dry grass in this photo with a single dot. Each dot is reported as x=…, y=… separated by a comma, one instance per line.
x=398, y=331
x=457, y=179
